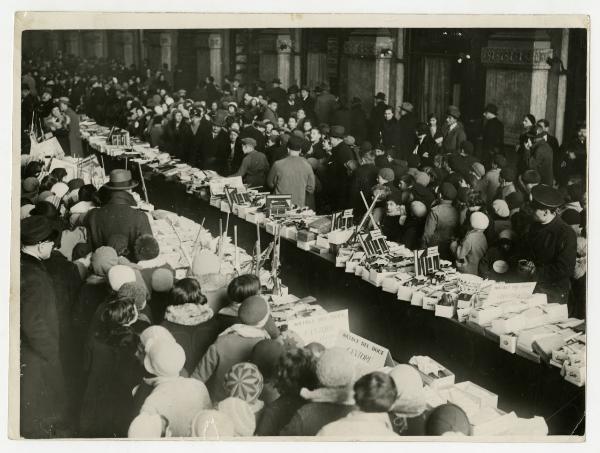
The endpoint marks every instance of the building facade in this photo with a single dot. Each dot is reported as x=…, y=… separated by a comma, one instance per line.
x=543, y=72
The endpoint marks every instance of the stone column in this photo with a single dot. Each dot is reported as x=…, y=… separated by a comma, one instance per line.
x=143, y=46
x=284, y=52
x=383, y=62
x=297, y=46
x=128, y=52
x=73, y=43
x=562, y=88
x=215, y=44
x=400, y=39
x=54, y=40
x=99, y=43
x=539, y=78
x=166, y=49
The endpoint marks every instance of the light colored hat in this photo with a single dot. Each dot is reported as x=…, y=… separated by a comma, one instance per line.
x=418, y=208
x=478, y=169
x=103, y=259
x=162, y=280
x=145, y=426
x=244, y=381
x=479, y=220
x=164, y=358
x=422, y=178
x=119, y=275
x=26, y=210
x=500, y=207
x=212, y=425
x=241, y=414
x=154, y=333
x=409, y=385
x=335, y=368
x=60, y=189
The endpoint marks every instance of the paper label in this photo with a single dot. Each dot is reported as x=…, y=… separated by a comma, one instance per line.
x=324, y=329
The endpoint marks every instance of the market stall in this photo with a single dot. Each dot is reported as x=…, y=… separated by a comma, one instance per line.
x=390, y=308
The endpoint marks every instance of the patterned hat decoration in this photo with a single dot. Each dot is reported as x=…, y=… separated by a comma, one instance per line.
x=244, y=381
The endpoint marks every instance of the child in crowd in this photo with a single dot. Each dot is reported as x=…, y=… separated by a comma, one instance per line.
x=474, y=245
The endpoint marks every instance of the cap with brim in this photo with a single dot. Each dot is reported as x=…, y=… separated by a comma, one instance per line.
x=491, y=108
x=249, y=141
x=406, y=106
x=36, y=229
x=454, y=111
x=337, y=131
x=380, y=95
x=547, y=196
x=120, y=180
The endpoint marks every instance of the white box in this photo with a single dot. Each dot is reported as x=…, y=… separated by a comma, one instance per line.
x=484, y=315
x=444, y=311
x=289, y=232
x=485, y=397
x=358, y=270
x=365, y=274
x=225, y=206
x=390, y=284
x=322, y=242
x=351, y=266
x=575, y=374
x=405, y=293
x=305, y=245
x=270, y=226
x=417, y=298
x=431, y=300
x=256, y=217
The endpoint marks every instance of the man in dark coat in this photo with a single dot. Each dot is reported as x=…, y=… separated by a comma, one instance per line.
x=251, y=131
x=492, y=140
x=390, y=133
x=574, y=158
x=43, y=393
x=540, y=156
x=358, y=121
x=425, y=147
x=341, y=154
x=363, y=179
x=306, y=101
x=67, y=283
x=211, y=145
x=550, y=246
x=117, y=216
x=377, y=115
x=544, y=125
x=407, y=125
x=324, y=104
x=277, y=93
x=455, y=133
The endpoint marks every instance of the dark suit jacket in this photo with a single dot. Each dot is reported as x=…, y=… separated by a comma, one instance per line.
x=407, y=125
x=116, y=217
x=493, y=136
x=210, y=150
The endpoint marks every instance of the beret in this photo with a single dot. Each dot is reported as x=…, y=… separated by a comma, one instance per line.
x=448, y=191
x=531, y=177
x=387, y=174
x=508, y=174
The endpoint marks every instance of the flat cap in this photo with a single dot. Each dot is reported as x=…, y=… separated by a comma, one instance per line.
x=249, y=141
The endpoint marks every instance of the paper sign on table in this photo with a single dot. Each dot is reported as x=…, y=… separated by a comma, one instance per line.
x=369, y=356
x=502, y=292
x=324, y=329
x=217, y=185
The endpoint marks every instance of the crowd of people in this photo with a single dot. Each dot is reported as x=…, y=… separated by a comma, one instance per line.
x=113, y=345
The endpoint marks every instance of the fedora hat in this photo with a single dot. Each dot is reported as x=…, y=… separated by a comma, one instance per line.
x=120, y=180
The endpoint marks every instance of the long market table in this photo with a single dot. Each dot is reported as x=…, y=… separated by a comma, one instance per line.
x=525, y=386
